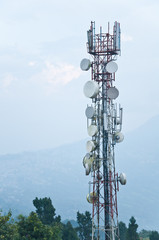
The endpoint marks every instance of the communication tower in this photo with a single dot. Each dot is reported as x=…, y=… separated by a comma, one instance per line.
x=104, y=124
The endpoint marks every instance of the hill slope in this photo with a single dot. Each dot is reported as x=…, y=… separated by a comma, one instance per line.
x=59, y=174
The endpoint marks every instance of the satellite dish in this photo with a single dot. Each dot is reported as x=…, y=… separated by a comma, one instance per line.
x=87, y=156
x=92, y=130
x=92, y=197
x=90, y=146
x=87, y=162
x=119, y=137
x=91, y=89
x=112, y=93
x=86, y=159
x=90, y=112
x=85, y=64
x=122, y=178
x=88, y=169
x=111, y=67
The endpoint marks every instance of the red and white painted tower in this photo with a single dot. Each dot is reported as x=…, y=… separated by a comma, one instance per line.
x=104, y=124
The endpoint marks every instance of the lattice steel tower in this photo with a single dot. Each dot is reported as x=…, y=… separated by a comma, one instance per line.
x=104, y=123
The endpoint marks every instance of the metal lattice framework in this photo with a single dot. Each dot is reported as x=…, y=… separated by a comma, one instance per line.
x=104, y=123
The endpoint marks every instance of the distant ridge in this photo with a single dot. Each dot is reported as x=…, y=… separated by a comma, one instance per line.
x=58, y=173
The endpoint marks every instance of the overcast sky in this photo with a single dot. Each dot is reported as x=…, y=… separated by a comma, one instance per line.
x=41, y=85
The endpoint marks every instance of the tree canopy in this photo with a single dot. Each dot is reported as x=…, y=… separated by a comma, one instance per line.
x=32, y=228
x=45, y=211
x=85, y=225
x=69, y=233
x=122, y=230
x=154, y=235
x=45, y=225
x=7, y=229
x=131, y=233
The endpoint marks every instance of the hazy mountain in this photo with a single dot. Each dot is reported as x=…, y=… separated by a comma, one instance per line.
x=56, y=173
x=59, y=174
x=139, y=158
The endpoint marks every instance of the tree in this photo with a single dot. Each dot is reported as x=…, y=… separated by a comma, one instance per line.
x=69, y=233
x=144, y=233
x=131, y=233
x=122, y=230
x=154, y=235
x=85, y=225
x=8, y=230
x=57, y=232
x=45, y=211
x=31, y=228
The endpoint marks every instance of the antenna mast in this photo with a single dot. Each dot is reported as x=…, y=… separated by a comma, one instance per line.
x=104, y=124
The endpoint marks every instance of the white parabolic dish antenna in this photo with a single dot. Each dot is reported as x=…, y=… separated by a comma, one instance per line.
x=119, y=137
x=111, y=67
x=92, y=130
x=113, y=93
x=91, y=89
x=90, y=112
x=90, y=146
x=123, y=178
x=85, y=64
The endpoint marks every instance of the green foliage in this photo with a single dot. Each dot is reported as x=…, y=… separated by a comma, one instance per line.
x=44, y=225
x=131, y=233
x=144, y=233
x=7, y=230
x=57, y=232
x=122, y=230
x=32, y=228
x=45, y=211
x=69, y=233
x=154, y=235
x=85, y=225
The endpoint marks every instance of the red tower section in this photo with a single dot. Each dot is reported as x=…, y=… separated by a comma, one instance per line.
x=104, y=123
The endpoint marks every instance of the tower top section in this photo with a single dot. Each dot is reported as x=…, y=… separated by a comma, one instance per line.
x=104, y=43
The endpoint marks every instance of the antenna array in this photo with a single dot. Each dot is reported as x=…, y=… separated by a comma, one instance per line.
x=104, y=124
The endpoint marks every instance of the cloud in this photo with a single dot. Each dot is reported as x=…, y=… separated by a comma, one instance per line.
x=7, y=81
x=57, y=75
x=31, y=63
